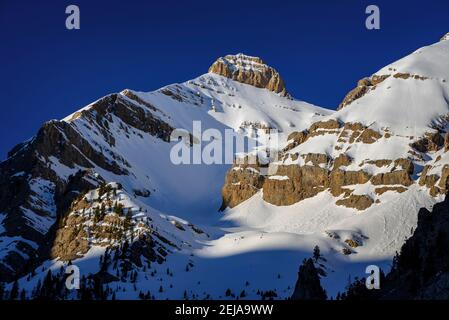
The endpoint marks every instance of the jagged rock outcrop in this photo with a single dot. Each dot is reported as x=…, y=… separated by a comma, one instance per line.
x=446, y=142
x=34, y=191
x=432, y=141
x=100, y=218
x=294, y=139
x=437, y=183
x=249, y=70
x=241, y=183
x=363, y=86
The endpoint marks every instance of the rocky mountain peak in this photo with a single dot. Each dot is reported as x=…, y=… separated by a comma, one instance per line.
x=445, y=37
x=249, y=70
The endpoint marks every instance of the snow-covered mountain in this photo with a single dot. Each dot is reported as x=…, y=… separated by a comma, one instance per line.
x=99, y=188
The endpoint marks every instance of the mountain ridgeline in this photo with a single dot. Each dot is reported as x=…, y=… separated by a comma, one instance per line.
x=98, y=189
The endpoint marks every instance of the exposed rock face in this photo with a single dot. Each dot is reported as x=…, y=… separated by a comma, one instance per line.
x=405, y=164
x=241, y=183
x=363, y=86
x=382, y=190
x=295, y=138
x=369, y=136
x=359, y=202
x=396, y=177
x=339, y=178
x=34, y=195
x=446, y=142
x=445, y=37
x=430, y=142
x=308, y=286
x=438, y=183
x=249, y=70
x=71, y=240
x=357, y=132
x=312, y=173
x=327, y=125
x=301, y=183
x=316, y=158
x=103, y=221
x=32, y=191
x=342, y=160
x=444, y=181
x=294, y=183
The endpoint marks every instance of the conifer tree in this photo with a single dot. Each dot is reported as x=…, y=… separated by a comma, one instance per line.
x=23, y=295
x=316, y=253
x=14, y=294
x=2, y=290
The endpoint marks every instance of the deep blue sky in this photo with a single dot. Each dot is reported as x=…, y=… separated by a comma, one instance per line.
x=321, y=48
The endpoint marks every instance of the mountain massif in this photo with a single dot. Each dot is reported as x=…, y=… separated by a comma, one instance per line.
x=99, y=188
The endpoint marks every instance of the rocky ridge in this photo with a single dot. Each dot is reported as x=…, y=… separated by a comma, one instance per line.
x=249, y=70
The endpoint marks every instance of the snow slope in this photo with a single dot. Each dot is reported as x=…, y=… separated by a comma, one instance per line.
x=407, y=106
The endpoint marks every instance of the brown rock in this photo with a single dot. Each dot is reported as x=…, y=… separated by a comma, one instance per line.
x=446, y=142
x=378, y=163
x=249, y=70
x=316, y=158
x=354, y=126
x=363, y=86
x=281, y=192
x=430, y=142
x=352, y=243
x=359, y=202
x=241, y=183
x=401, y=75
x=435, y=191
x=327, y=125
x=304, y=182
x=396, y=177
x=429, y=180
x=339, y=178
x=369, y=136
x=71, y=240
x=296, y=139
x=342, y=160
x=406, y=164
x=444, y=181
x=382, y=190
x=422, y=178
